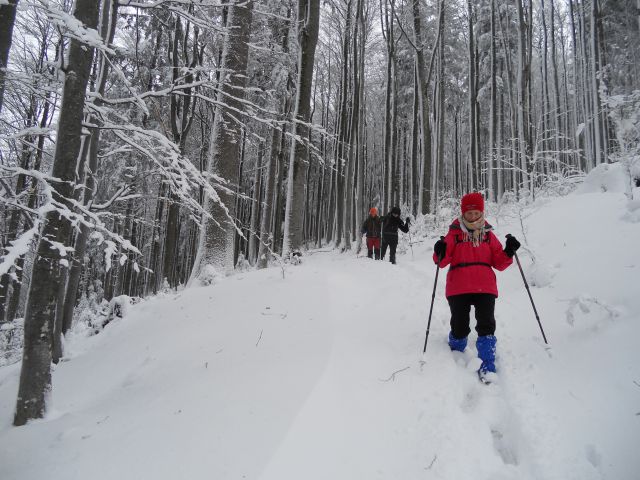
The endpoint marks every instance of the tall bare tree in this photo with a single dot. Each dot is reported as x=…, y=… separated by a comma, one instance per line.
x=217, y=235
x=35, y=375
x=7, y=21
x=422, y=80
x=308, y=23
x=108, y=28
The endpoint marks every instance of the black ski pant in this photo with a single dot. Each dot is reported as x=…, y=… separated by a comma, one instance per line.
x=392, y=243
x=484, y=306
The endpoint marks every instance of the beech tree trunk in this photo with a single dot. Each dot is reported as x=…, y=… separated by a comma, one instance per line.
x=308, y=22
x=35, y=375
x=492, y=157
x=426, y=167
x=474, y=147
x=217, y=236
x=80, y=246
x=7, y=21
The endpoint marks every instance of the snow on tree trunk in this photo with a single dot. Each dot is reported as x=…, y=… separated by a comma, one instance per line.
x=218, y=234
x=272, y=173
x=183, y=110
x=108, y=28
x=35, y=376
x=308, y=21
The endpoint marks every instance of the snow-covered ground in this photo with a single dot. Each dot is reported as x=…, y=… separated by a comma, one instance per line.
x=318, y=375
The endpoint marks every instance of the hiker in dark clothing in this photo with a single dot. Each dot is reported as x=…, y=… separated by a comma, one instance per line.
x=390, y=226
x=372, y=227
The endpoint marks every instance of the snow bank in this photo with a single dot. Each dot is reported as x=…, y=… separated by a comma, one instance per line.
x=606, y=177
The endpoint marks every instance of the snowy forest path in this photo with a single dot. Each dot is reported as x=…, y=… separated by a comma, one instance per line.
x=375, y=413
x=317, y=375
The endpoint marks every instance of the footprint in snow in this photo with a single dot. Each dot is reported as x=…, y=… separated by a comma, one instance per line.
x=470, y=401
x=593, y=456
x=503, y=446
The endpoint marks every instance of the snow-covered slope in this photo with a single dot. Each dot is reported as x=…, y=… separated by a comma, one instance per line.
x=318, y=375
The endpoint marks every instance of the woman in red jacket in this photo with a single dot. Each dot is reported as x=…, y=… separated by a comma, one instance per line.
x=473, y=251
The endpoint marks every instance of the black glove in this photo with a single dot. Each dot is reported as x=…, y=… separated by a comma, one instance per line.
x=408, y=220
x=440, y=248
x=511, y=246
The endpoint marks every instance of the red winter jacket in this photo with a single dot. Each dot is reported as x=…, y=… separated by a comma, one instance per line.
x=471, y=267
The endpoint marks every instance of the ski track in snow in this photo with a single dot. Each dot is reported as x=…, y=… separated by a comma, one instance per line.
x=319, y=376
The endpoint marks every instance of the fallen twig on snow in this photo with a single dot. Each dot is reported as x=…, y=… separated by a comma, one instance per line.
x=393, y=375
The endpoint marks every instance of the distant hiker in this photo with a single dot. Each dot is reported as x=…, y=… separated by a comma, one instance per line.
x=390, y=226
x=473, y=251
x=372, y=227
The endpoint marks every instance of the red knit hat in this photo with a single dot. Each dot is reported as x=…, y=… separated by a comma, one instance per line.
x=373, y=211
x=472, y=201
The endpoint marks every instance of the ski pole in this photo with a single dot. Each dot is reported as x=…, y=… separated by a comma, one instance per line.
x=530, y=297
x=433, y=296
x=410, y=243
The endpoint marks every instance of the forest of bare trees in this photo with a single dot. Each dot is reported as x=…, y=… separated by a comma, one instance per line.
x=146, y=145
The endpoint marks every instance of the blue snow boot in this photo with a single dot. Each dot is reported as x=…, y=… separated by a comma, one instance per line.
x=486, y=346
x=457, y=344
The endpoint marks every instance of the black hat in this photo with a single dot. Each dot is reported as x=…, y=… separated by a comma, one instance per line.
x=395, y=210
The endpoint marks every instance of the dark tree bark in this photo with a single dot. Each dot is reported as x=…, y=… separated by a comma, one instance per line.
x=108, y=28
x=15, y=215
x=415, y=136
x=390, y=104
x=254, y=230
x=265, y=220
x=308, y=21
x=492, y=153
x=523, y=98
x=35, y=376
x=343, y=130
x=183, y=110
x=422, y=79
x=473, y=127
x=271, y=173
x=439, y=101
x=7, y=21
x=354, y=123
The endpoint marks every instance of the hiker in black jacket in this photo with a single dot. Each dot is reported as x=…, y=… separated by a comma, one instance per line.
x=390, y=226
x=371, y=228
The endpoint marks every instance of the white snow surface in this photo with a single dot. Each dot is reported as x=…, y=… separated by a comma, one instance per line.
x=318, y=375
